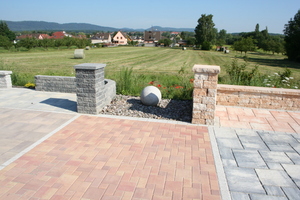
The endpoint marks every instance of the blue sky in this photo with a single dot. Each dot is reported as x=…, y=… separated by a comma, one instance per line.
x=231, y=15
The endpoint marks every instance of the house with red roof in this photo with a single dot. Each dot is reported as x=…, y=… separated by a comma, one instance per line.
x=60, y=35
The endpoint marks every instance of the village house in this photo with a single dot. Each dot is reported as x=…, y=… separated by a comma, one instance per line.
x=121, y=38
x=34, y=35
x=152, y=36
x=60, y=35
x=104, y=38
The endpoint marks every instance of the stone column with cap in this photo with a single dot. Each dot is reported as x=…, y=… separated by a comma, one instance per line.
x=90, y=87
x=205, y=93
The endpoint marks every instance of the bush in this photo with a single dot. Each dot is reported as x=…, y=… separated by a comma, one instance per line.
x=206, y=45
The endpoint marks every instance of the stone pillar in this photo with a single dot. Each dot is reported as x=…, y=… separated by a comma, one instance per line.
x=5, y=79
x=205, y=93
x=90, y=87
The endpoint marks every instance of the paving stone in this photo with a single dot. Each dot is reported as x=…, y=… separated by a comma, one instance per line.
x=274, y=178
x=295, y=157
x=249, y=159
x=229, y=143
x=296, y=147
x=275, y=157
x=243, y=180
x=229, y=163
x=266, y=197
x=281, y=147
x=239, y=196
x=247, y=132
x=278, y=138
x=294, y=172
x=292, y=193
x=275, y=166
x=252, y=142
x=274, y=191
x=225, y=132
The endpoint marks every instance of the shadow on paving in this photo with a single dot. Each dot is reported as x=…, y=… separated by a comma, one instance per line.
x=180, y=110
x=61, y=103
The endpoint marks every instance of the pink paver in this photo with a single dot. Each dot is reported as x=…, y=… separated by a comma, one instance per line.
x=262, y=119
x=103, y=158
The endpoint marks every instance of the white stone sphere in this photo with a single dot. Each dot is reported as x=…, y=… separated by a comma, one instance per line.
x=150, y=96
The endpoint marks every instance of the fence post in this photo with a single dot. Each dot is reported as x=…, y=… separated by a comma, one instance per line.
x=90, y=87
x=5, y=79
x=205, y=93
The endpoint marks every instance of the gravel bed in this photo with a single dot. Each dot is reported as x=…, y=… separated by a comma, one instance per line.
x=178, y=110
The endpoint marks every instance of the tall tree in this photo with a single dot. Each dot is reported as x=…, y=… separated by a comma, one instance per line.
x=244, y=45
x=292, y=38
x=204, y=31
x=5, y=31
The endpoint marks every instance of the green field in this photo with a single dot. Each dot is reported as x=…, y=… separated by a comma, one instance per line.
x=143, y=60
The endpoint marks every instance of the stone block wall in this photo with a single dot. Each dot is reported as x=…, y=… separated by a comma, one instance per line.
x=258, y=97
x=204, y=95
x=55, y=84
x=5, y=79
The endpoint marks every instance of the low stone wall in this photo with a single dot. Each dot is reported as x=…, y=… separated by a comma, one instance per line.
x=258, y=97
x=55, y=84
x=66, y=84
x=5, y=79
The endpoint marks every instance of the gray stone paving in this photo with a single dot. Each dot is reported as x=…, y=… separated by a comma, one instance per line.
x=260, y=165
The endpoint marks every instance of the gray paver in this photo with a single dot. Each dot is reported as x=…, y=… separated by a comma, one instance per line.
x=243, y=180
x=229, y=143
x=266, y=197
x=277, y=138
x=281, y=147
x=249, y=159
x=252, y=142
x=295, y=157
x=292, y=193
x=294, y=172
x=274, y=178
x=239, y=196
x=274, y=191
x=275, y=157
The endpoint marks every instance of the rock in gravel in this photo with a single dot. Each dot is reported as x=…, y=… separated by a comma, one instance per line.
x=168, y=109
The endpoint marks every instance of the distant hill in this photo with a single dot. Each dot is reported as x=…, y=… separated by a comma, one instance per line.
x=53, y=26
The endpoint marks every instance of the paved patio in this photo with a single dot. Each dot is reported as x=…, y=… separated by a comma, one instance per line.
x=48, y=151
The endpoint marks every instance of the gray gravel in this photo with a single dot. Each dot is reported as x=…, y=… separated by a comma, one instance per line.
x=179, y=110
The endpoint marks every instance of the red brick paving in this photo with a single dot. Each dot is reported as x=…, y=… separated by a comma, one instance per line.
x=259, y=119
x=104, y=158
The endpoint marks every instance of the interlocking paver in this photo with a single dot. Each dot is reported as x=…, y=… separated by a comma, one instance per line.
x=105, y=158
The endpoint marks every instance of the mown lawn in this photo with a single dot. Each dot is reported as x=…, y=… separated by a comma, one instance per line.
x=142, y=59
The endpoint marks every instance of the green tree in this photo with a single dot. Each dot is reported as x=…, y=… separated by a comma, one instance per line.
x=205, y=32
x=28, y=43
x=292, y=38
x=69, y=41
x=4, y=42
x=45, y=43
x=244, y=45
x=58, y=43
x=221, y=38
x=4, y=31
x=167, y=42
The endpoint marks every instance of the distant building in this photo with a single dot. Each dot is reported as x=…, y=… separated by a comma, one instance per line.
x=101, y=38
x=152, y=36
x=60, y=35
x=121, y=38
x=34, y=35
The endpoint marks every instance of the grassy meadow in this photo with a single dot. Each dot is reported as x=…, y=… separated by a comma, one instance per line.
x=142, y=60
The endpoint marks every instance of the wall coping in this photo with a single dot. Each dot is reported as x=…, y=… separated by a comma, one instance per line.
x=211, y=69
x=54, y=76
x=253, y=89
x=3, y=73
x=90, y=66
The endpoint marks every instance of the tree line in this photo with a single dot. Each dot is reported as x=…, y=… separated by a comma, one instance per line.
x=206, y=36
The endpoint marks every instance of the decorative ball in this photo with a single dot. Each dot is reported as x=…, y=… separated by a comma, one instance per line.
x=150, y=96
